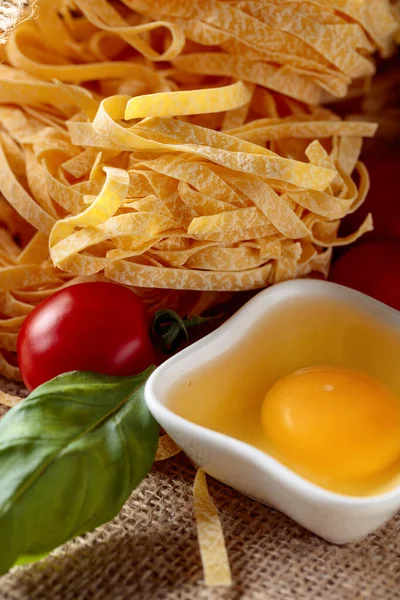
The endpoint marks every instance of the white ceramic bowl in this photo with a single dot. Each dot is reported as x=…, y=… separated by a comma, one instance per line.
x=337, y=518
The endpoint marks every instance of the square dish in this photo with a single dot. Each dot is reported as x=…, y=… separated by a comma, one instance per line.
x=370, y=344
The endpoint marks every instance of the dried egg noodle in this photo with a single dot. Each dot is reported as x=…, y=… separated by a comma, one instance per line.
x=166, y=448
x=8, y=400
x=178, y=145
x=213, y=551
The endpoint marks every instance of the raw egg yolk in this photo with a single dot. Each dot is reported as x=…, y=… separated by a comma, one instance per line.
x=332, y=422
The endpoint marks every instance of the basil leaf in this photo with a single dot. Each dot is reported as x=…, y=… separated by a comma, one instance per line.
x=70, y=455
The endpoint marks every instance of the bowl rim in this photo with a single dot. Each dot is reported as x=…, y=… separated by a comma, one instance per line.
x=235, y=328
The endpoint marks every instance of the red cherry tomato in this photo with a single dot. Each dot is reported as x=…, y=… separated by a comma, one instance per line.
x=99, y=327
x=372, y=268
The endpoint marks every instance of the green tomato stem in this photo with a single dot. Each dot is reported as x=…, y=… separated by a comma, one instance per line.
x=169, y=331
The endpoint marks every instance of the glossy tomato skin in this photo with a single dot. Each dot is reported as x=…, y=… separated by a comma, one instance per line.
x=96, y=326
x=372, y=268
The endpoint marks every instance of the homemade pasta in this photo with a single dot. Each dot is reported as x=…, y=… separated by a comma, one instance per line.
x=178, y=146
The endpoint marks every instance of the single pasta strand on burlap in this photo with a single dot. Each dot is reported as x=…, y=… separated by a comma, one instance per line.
x=214, y=555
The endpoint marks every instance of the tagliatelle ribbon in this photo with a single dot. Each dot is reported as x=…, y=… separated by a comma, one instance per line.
x=105, y=206
x=9, y=400
x=166, y=448
x=213, y=552
x=178, y=146
x=19, y=198
x=188, y=103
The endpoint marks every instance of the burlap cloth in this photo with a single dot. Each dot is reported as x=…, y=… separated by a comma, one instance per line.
x=150, y=551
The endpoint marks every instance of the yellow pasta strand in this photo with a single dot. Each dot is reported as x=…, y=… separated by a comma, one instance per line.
x=166, y=448
x=213, y=552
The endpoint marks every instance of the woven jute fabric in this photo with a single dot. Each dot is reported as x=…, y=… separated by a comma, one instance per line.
x=150, y=551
